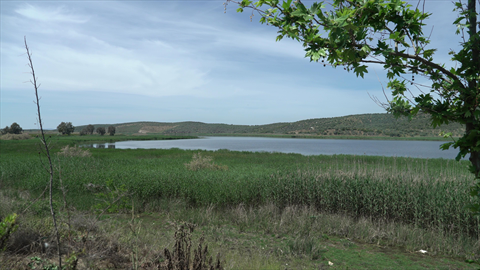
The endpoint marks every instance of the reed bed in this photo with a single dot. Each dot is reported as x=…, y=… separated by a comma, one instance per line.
x=428, y=193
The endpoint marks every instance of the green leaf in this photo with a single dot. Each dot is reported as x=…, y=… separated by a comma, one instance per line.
x=287, y=4
x=446, y=146
x=360, y=70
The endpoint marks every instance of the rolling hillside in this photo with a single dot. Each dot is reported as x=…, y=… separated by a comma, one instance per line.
x=352, y=125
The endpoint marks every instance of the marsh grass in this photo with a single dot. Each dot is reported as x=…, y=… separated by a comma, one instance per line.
x=424, y=193
x=402, y=202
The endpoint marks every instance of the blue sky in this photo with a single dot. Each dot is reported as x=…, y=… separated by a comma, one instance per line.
x=169, y=61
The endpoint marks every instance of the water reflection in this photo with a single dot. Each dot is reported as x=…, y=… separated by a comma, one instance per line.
x=99, y=145
x=416, y=149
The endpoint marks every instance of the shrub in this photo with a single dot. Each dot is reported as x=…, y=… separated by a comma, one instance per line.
x=7, y=226
x=198, y=163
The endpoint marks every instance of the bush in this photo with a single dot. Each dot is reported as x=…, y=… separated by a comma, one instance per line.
x=7, y=226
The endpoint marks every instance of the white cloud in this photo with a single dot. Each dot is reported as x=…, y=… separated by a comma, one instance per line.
x=171, y=61
x=58, y=14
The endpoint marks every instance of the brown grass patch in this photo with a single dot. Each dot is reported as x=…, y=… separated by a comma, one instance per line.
x=200, y=162
x=23, y=136
x=75, y=151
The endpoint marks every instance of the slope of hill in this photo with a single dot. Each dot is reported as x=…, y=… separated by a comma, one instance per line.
x=352, y=125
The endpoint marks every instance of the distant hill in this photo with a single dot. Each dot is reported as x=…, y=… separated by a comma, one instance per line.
x=351, y=125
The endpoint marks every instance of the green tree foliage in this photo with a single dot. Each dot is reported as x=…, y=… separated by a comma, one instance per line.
x=354, y=33
x=111, y=130
x=101, y=131
x=13, y=129
x=65, y=128
x=89, y=129
x=83, y=132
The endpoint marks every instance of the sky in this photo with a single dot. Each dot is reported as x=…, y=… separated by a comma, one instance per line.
x=108, y=62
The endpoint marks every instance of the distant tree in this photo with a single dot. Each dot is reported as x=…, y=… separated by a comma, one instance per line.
x=111, y=130
x=65, y=128
x=13, y=129
x=5, y=130
x=89, y=129
x=101, y=131
x=83, y=131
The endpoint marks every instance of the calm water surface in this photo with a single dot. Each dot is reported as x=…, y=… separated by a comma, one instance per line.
x=420, y=149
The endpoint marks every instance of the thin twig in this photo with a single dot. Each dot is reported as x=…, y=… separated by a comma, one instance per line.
x=47, y=150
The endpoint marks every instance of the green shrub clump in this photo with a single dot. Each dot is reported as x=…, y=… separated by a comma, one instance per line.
x=8, y=225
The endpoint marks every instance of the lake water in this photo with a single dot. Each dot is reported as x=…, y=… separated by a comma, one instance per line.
x=418, y=149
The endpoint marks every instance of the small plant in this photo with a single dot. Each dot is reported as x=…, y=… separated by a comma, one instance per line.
x=180, y=257
x=8, y=225
x=75, y=151
x=113, y=199
x=39, y=263
x=200, y=162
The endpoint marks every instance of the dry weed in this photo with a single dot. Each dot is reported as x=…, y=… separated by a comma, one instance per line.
x=180, y=258
x=200, y=162
x=23, y=136
x=75, y=151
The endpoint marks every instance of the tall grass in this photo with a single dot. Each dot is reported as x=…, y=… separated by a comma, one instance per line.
x=428, y=193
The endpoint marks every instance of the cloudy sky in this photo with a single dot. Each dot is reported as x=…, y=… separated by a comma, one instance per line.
x=168, y=61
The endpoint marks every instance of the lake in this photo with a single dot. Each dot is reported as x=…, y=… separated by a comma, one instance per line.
x=417, y=149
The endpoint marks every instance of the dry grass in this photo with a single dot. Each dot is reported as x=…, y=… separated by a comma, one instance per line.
x=23, y=136
x=263, y=237
x=200, y=162
x=75, y=151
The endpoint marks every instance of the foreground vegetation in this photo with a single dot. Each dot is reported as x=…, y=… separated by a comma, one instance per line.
x=274, y=209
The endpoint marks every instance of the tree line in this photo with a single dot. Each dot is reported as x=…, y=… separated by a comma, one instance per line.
x=65, y=128
x=68, y=128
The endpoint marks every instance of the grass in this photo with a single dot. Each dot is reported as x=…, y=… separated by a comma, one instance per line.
x=272, y=208
x=244, y=238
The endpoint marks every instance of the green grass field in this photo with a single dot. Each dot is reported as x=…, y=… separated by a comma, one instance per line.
x=307, y=209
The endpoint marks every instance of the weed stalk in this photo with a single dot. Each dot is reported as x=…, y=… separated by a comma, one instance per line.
x=47, y=151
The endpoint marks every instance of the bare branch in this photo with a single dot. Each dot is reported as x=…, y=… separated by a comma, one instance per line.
x=47, y=151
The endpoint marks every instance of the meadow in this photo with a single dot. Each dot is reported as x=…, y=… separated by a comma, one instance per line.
x=402, y=203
